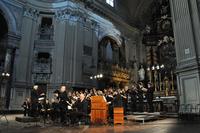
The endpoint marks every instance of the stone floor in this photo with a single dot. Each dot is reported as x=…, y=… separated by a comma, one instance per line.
x=168, y=125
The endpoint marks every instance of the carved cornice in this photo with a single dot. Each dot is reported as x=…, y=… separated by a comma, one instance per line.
x=75, y=14
x=31, y=13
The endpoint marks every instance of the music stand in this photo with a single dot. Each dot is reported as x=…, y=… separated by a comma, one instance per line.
x=2, y=110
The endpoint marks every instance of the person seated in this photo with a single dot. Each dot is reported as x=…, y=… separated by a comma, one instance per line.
x=81, y=111
x=55, y=109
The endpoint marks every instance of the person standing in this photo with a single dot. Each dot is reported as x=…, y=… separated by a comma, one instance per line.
x=63, y=98
x=149, y=96
x=133, y=94
x=140, y=94
x=34, y=101
x=26, y=105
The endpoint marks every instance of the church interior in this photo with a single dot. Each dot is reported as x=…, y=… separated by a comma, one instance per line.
x=99, y=66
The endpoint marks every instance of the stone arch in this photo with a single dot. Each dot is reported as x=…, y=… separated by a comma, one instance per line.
x=10, y=19
x=114, y=38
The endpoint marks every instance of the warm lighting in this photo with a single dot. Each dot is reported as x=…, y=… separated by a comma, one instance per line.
x=5, y=74
x=153, y=68
x=98, y=76
x=101, y=75
x=157, y=67
x=148, y=69
x=91, y=77
x=162, y=66
x=95, y=77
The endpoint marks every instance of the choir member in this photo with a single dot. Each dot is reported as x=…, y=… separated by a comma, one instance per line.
x=140, y=93
x=149, y=96
x=133, y=94
x=26, y=105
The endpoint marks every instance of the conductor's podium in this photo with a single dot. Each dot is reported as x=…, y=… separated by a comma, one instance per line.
x=118, y=115
x=99, y=110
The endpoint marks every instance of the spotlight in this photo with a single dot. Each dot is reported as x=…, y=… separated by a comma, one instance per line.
x=3, y=74
x=101, y=75
x=162, y=66
x=7, y=74
x=153, y=68
x=157, y=67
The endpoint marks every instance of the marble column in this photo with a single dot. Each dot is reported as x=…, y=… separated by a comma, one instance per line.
x=187, y=43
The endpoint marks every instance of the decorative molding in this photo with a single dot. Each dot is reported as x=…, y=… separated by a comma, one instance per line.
x=31, y=13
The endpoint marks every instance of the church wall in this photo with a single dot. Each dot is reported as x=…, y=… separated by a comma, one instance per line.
x=74, y=27
x=186, y=26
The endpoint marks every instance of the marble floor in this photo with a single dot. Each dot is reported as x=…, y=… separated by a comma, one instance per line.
x=167, y=125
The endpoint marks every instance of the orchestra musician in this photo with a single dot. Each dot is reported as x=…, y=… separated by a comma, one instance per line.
x=77, y=103
x=80, y=109
x=63, y=98
x=55, y=109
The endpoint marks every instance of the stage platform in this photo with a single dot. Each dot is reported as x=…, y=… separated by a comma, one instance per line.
x=27, y=119
x=143, y=116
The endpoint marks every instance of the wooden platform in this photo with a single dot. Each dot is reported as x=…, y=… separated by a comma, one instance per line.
x=142, y=117
x=27, y=119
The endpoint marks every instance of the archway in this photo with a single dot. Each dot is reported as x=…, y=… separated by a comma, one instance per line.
x=112, y=64
x=3, y=33
x=9, y=41
x=3, y=41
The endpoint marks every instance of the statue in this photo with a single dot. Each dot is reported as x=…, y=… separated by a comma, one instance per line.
x=141, y=73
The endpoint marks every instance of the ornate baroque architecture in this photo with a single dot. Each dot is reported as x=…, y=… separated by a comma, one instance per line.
x=54, y=42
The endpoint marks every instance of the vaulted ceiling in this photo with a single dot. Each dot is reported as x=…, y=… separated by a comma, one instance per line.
x=138, y=11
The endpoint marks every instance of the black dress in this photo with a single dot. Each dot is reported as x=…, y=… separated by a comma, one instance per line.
x=81, y=112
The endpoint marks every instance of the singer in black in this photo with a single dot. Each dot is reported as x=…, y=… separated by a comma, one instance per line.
x=34, y=101
x=26, y=105
x=63, y=98
x=149, y=96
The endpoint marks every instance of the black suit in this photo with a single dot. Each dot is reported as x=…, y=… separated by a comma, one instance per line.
x=81, y=111
x=34, y=103
x=63, y=98
x=149, y=96
x=140, y=100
